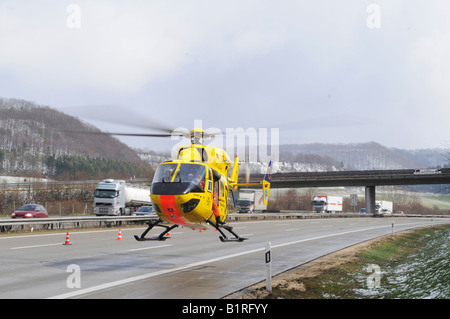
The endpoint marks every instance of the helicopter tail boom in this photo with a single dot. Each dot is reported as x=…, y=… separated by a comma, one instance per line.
x=266, y=183
x=235, y=172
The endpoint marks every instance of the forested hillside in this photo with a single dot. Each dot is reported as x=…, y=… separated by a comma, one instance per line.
x=371, y=155
x=34, y=140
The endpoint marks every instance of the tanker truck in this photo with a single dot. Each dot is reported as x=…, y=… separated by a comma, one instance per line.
x=115, y=197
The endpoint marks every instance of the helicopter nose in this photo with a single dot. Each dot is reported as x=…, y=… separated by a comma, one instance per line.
x=169, y=207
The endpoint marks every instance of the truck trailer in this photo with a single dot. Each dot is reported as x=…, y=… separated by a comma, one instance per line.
x=250, y=200
x=115, y=197
x=383, y=207
x=327, y=204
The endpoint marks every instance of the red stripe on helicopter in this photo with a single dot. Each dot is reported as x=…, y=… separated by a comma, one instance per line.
x=169, y=207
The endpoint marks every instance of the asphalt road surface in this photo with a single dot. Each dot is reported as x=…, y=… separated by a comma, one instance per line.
x=188, y=265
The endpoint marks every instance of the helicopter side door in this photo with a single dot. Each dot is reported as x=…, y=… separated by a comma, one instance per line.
x=216, y=192
x=223, y=197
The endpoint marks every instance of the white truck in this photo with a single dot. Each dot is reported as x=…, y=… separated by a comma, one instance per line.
x=250, y=200
x=327, y=204
x=115, y=197
x=383, y=207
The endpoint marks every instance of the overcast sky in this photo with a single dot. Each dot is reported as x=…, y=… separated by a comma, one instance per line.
x=320, y=71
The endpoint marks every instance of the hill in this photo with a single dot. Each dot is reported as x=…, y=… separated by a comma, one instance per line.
x=330, y=157
x=368, y=156
x=34, y=140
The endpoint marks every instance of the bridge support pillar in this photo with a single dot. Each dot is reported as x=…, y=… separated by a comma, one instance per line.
x=370, y=199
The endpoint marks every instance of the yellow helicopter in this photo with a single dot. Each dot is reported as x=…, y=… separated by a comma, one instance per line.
x=192, y=190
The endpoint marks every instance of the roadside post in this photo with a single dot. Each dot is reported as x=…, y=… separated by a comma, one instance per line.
x=354, y=201
x=268, y=260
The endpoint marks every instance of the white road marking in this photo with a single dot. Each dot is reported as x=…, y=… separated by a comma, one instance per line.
x=196, y=264
x=25, y=247
x=153, y=247
x=64, y=233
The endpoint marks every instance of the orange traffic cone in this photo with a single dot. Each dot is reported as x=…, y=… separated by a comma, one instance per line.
x=168, y=234
x=67, y=242
x=119, y=237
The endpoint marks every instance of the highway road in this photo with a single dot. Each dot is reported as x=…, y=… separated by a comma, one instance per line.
x=188, y=265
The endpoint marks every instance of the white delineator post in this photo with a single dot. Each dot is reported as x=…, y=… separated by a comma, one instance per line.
x=268, y=260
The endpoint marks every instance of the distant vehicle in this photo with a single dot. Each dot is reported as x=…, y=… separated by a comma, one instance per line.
x=246, y=201
x=115, y=197
x=426, y=171
x=327, y=204
x=399, y=212
x=383, y=207
x=30, y=211
x=362, y=211
x=250, y=200
x=145, y=211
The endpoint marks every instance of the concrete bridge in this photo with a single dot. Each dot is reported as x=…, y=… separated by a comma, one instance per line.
x=367, y=178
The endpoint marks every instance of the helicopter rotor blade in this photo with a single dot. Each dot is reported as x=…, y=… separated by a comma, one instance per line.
x=116, y=114
x=122, y=134
x=330, y=121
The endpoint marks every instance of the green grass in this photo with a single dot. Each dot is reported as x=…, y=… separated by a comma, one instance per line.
x=345, y=281
x=442, y=202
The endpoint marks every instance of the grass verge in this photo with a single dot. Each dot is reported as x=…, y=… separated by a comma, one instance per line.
x=346, y=275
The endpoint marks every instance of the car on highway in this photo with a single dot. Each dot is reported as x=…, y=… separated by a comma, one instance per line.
x=399, y=212
x=30, y=211
x=362, y=211
x=145, y=211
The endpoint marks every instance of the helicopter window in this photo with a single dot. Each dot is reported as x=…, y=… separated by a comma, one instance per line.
x=221, y=189
x=182, y=180
x=210, y=186
x=164, y=173
x=204, y=154
x=191, y=173
x=210, y=176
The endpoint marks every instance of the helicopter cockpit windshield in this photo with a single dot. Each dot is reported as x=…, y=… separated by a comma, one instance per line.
x=181, y=178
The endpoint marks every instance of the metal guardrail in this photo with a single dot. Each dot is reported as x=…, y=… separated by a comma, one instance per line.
x=55, y=223
x=50, y=223
x=290, y=215
x=310, y=215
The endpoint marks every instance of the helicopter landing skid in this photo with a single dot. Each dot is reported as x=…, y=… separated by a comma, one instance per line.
x=150, y=226
x=224, y=237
